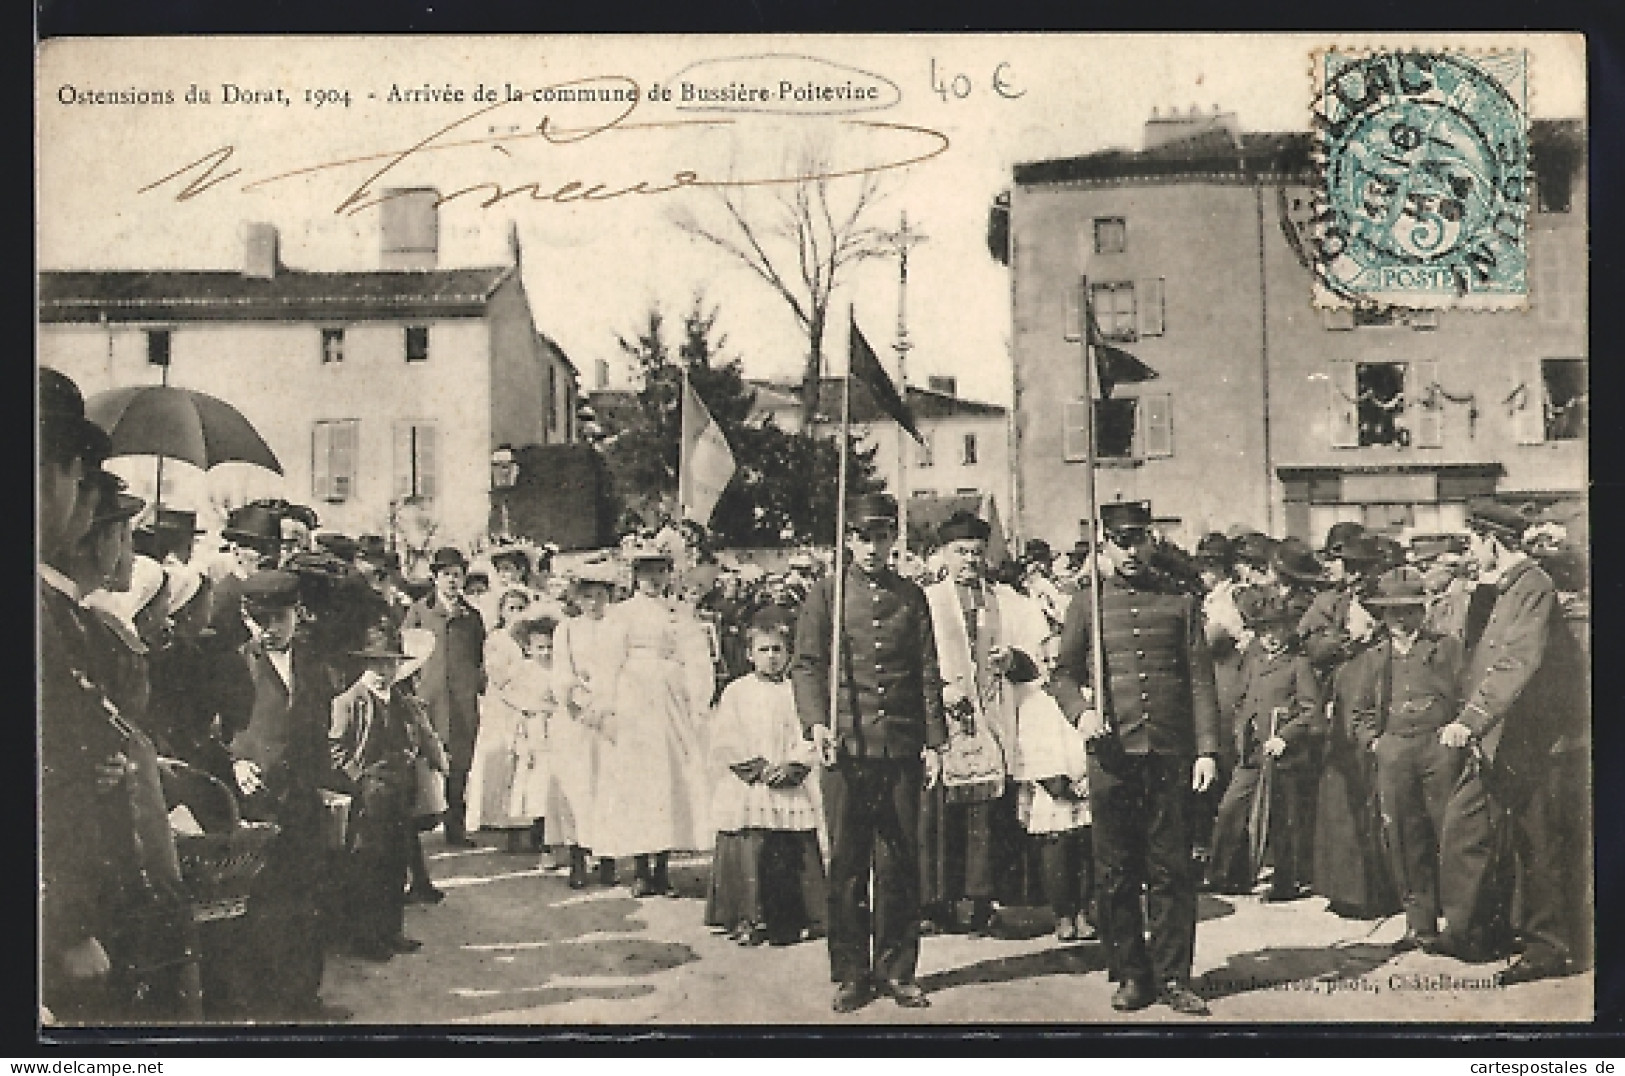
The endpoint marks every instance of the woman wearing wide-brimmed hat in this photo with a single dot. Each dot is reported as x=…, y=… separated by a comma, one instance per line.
x=653, y=795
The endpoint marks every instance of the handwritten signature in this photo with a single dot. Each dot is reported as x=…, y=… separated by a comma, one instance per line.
x=211, y=169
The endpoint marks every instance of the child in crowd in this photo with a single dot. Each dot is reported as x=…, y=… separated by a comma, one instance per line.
x=513, y=716
x=538, y=792
x=767, y=878
x=1277, y=724
x=1052, y=768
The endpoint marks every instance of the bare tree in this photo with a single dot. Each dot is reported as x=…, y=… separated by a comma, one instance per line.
x=799, y=238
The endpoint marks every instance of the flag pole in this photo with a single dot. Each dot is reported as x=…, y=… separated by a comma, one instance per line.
x=840, y=532
x=682, y=440
x=1097, y=650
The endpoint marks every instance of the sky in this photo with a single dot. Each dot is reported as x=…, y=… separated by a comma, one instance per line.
x=592, y=270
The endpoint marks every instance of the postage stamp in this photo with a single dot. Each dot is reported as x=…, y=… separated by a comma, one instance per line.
x=1422, y=194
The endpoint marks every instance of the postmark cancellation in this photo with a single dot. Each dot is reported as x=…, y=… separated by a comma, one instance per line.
x=1423, y=181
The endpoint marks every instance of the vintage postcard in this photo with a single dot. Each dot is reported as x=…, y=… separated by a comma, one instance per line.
x=444, y=443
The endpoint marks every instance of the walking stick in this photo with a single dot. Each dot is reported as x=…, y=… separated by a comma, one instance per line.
x=1258, y=820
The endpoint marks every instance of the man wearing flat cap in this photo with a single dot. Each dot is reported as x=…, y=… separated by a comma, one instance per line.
x=1152, y=741
x=884, y=748
x=453, y=680
x=280, y=761
x=1525, y=725
x=970, y=834
x=1402, y=691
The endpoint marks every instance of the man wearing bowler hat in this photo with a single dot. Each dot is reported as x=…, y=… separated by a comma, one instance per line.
x=1525, y=725
x=884, y=748
x=1403, y=690
x=454, y=677
x=1152, y=741
x=177, y=533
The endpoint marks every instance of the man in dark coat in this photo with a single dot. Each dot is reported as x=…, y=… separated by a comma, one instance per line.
x=1152, y=743
x=1524, y=721
x=280, y=764
x=85, y=842
x=1402, y=691
x=454, y=677
x=889, y=729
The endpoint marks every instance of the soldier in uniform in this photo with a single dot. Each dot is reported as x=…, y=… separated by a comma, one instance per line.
x=889, y=730
x=1152, y=742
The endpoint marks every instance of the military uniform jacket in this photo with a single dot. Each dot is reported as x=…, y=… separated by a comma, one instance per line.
x=1286, y=680
x=1525, y=675
x=1160, y=694
x=890, y=699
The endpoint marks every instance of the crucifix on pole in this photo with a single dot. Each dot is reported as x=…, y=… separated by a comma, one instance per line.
x=899, y=243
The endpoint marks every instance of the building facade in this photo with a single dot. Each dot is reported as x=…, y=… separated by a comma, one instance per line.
x=1268, y=411
x=966, y=449
x=383, y=392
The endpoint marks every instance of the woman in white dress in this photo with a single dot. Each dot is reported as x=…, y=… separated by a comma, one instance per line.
x=512, y=701
x=653, y=792
x=583, y=679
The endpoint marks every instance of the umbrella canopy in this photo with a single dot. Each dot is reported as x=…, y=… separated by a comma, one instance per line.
x=180, y=424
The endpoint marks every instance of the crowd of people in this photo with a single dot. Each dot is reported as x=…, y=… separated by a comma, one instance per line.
x=244, y=747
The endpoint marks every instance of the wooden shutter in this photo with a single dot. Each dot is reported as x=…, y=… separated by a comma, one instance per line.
x=1156, y=414
x=1427, y=423
x=427, y=453
x=403, y=461
x=1343, y=413
x=1529, y=413
x=1153, y=313
x=1074, y=312
x=346, y=438
x=321, y=461
x=1074, y=447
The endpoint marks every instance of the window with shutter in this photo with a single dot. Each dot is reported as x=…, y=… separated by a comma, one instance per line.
x=1111, y=235
x=1565, y=385
x=1074, y=313
x=1343, y=410
x=1528, y=403
x=923, y=451
x=1156, y=425
x=426, y=454
x=158, y=347
x=1115, y=311
x=1074, y=446
x=403, y=461
x=1153, y=312
x=968, y=457
x=321, y=461
x=346, y=454
x=417, y=343
x=1425, y=409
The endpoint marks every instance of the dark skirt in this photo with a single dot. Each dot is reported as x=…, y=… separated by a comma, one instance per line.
x=975, y=851
x=1351, y=868
x=768, y=877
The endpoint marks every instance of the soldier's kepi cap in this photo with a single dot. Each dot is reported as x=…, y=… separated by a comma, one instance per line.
x=271, y=589
x=872, y=507
x=1125, y=516
x=1501, y=520
x=963, y=524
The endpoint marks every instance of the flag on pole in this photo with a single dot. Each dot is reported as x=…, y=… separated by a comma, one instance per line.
x=706, y=463
x=865, y=366
x=1113, y=365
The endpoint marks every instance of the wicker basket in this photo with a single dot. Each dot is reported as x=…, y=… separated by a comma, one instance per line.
x=218, y=866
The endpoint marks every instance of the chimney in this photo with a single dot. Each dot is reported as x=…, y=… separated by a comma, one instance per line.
x=1177, y=126
x=948, y=386
x=260, y=256
x=409, y=228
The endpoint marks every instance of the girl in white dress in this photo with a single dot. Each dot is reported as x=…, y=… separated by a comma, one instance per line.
x=583, y=682
x=652, y=789
x=767, y=878
x=516, y=697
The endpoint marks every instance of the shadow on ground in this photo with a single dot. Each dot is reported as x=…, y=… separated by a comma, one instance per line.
x=1078, y=959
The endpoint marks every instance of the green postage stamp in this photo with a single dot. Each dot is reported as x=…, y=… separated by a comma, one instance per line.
x=1422, y=197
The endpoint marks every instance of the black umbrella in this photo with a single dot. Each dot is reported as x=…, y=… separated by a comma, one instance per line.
x=181, y=424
